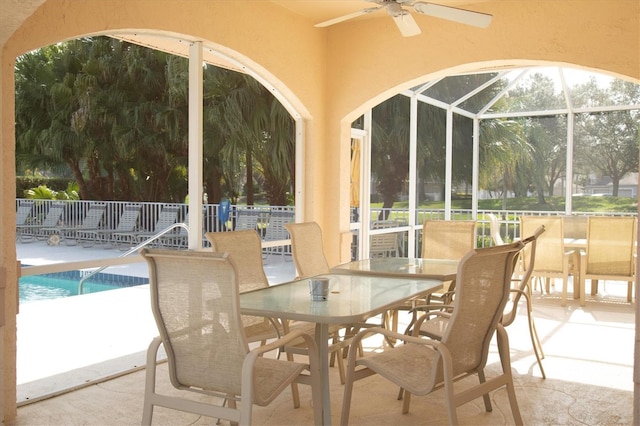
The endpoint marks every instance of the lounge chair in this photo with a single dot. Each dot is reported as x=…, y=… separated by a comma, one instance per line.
x=276, y=231
x=168, y=216
x=28, y=233
x=127, y=223
x=71, y=235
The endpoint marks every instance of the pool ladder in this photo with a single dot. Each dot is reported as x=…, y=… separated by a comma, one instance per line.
x=133, y=250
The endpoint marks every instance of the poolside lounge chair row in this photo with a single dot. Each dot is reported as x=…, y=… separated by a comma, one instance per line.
x=92, y=229
x=129, y=231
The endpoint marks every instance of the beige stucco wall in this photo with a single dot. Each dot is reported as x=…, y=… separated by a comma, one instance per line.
x=329, y=75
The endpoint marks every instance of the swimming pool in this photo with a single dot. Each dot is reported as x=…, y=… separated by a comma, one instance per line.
x=65, y=284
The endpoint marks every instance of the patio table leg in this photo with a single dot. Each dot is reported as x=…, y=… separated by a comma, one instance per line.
x=322, y=341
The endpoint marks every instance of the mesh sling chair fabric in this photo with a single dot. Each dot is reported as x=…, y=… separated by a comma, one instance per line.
x=422, y=365
x=444, y=239
x=447, y=239
x=610, y=253
x=195, y=302
x=521, y=288
x=307, y=249
x=552, y=259
x=245, y=247
x=308, y=256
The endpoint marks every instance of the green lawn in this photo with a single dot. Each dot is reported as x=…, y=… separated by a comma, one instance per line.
x=581, y=204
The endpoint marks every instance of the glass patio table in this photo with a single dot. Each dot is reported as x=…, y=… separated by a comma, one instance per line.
x=418, y=268
x=435, y=269
x=352, y=299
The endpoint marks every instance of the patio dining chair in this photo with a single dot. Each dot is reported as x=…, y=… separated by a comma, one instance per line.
x=421, y=366
x=610, y=253
x=552, y=259
x=195, y=303
x=244, y=247
x=435, y=326
x=307, y=249
x=443, y=239
x=309, y=259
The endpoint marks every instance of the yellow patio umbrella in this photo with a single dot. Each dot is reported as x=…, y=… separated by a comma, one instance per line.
x=355, y=172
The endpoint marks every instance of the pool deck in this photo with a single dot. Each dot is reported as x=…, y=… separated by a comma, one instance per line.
x=108, y=331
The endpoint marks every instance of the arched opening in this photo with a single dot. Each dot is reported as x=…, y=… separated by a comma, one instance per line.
x=469, y=140
x=205, y=55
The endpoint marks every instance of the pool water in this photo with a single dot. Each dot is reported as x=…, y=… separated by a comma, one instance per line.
x=54, y=286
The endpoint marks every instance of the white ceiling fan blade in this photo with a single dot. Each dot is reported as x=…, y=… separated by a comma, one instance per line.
x=476, y=19
x=347, y=17
x=407, y=25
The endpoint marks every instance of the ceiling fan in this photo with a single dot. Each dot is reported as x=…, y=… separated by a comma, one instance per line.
x=405, y=22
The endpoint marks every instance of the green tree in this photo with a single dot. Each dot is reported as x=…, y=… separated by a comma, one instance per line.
x=607, y=142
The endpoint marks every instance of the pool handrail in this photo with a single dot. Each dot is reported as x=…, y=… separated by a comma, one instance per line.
x=133, y=250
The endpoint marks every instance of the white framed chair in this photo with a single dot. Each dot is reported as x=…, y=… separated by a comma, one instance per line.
x=422, y=365
x=195, y=302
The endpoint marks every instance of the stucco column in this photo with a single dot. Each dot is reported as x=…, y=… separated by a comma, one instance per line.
x=8, y=272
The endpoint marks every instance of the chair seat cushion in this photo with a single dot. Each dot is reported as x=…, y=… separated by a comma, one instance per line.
x=408, y=366
x=272, y=376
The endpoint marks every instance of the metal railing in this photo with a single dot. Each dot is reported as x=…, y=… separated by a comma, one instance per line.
x=133, y=250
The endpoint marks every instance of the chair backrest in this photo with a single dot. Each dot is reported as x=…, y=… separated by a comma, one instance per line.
x=482, y=291
x=167, y=217
x=276, y=229
x=550, y=252
x=611, y=245
x=94, y=216
x=494, y=228
x=247, y=219
x=128, y=219
x=196, y=306
x=575, y=226
x=23, y=212
x=448, y=239
x=245, y=248
x=384, y=245
x=53, y=215
x=527, y=260
x=307, y=248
